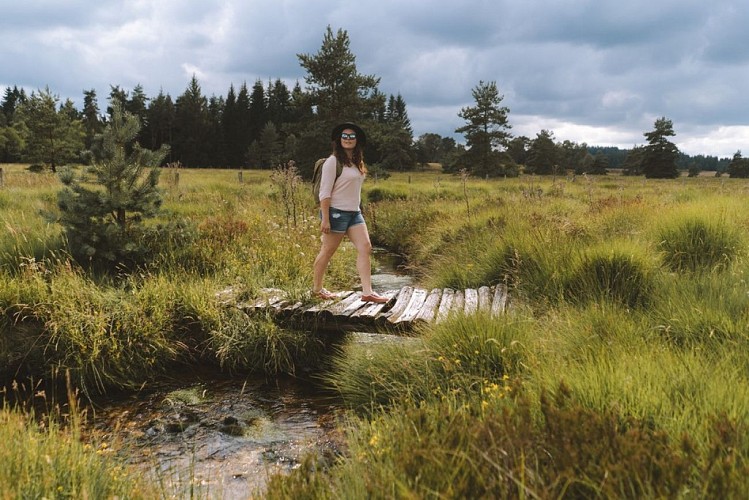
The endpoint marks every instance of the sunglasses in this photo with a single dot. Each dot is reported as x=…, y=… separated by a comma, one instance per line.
x=348, y=136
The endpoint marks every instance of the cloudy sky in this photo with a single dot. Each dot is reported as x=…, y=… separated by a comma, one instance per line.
x=593, y=71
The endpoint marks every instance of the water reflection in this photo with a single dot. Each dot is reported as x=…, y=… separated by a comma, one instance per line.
x=225, y=437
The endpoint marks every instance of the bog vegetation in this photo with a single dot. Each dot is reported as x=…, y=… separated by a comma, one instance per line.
x=620, y=369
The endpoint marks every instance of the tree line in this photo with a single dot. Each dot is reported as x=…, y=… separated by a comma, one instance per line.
x=268, y=124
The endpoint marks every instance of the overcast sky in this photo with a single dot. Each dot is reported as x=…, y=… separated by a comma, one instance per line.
x=593, y=71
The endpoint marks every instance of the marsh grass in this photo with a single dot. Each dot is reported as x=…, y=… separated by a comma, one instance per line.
x=613, y=374
x=611, y=274
x=698, y=244
x=44, y=458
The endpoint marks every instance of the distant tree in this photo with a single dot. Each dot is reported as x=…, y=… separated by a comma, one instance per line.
x=270, y=147
x=92, y=122
x=253, y=156
x=632, y=164
x=50, y=136
x=485, y=130
x=429, y=148
x=614, y=155
x=191, y=126
x=160, y=123
x=739, y=166
x=103, y=221
x=395, y=137
x=117, y=95
x=11, y=145
x=336, y=89
x=137, y=104
x=571, y=155
x=230, y=125
x=243, y=122
x=517, y=148
x=12, y=98
x=214, y=146
x=336, y=92
x=542, y=154
x=397, y=149
x=453, y=159
x=379, y=110
x=660, y=155
x=258, y=111
x=600, y=165
x=279, y=103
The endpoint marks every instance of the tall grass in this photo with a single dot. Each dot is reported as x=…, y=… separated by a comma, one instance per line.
x=619, y=370
x=47, y=460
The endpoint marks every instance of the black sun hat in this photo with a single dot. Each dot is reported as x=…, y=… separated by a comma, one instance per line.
x=360, y=135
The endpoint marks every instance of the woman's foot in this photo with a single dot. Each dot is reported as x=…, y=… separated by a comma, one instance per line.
x=323, y=294
x=374, y=297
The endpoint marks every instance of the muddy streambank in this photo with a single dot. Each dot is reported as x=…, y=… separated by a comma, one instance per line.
x=225, y=436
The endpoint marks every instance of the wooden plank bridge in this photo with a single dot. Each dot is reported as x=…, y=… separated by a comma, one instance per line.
x=407, y=307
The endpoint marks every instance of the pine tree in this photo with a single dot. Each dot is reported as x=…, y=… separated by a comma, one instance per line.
x=258, y=112
x=485, y=130
x=159, y=125
x=191, y=126
x=739, y=166
x=336, y=88
x=103, y=223
x=660, y=155
x=49, y=136
x=542, y=154
x=92, y=123
x=336, y=92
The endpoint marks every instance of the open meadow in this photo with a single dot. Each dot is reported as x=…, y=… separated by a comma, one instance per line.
x=620, y=369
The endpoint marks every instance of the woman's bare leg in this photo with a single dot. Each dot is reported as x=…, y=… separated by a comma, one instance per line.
x=359, y=236
x=330, y=243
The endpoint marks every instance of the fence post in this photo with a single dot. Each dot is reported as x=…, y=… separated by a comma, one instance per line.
x=1, y=177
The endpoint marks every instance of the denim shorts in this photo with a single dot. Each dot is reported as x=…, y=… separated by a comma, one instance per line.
x=341, y=220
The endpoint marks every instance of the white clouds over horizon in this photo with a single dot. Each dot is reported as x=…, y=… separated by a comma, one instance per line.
x=598, y=72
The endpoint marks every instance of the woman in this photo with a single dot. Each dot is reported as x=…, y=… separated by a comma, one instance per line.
x=340, y=199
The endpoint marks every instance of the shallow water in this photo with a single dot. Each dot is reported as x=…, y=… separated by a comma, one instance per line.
x=225, y=436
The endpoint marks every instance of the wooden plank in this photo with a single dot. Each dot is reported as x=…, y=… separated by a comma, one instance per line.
x=371, y=310
x=429, y=308
x=263, y=303
x=500, y=300
x=325, y=304
x=458, y=302
x=472, y=301
x=339, y=308
x=404, y=296
x=447, y=301
x=290, y=309
x=485, y=299
x=412, y=309
x=321, y=309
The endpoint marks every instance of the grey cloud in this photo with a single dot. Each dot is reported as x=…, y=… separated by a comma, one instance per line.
x=606, y=65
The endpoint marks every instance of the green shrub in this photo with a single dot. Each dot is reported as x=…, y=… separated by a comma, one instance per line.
x=613, y=276
x=695, y=244
x=518, y=447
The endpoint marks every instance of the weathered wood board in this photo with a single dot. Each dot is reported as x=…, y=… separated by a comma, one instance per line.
x=406, y=308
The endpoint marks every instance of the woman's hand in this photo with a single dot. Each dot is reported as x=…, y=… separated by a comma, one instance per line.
x=325, y=215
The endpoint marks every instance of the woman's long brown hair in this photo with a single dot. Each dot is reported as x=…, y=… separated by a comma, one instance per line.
x=357, y=157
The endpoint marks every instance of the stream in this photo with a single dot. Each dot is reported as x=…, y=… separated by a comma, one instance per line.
x=223, y=436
